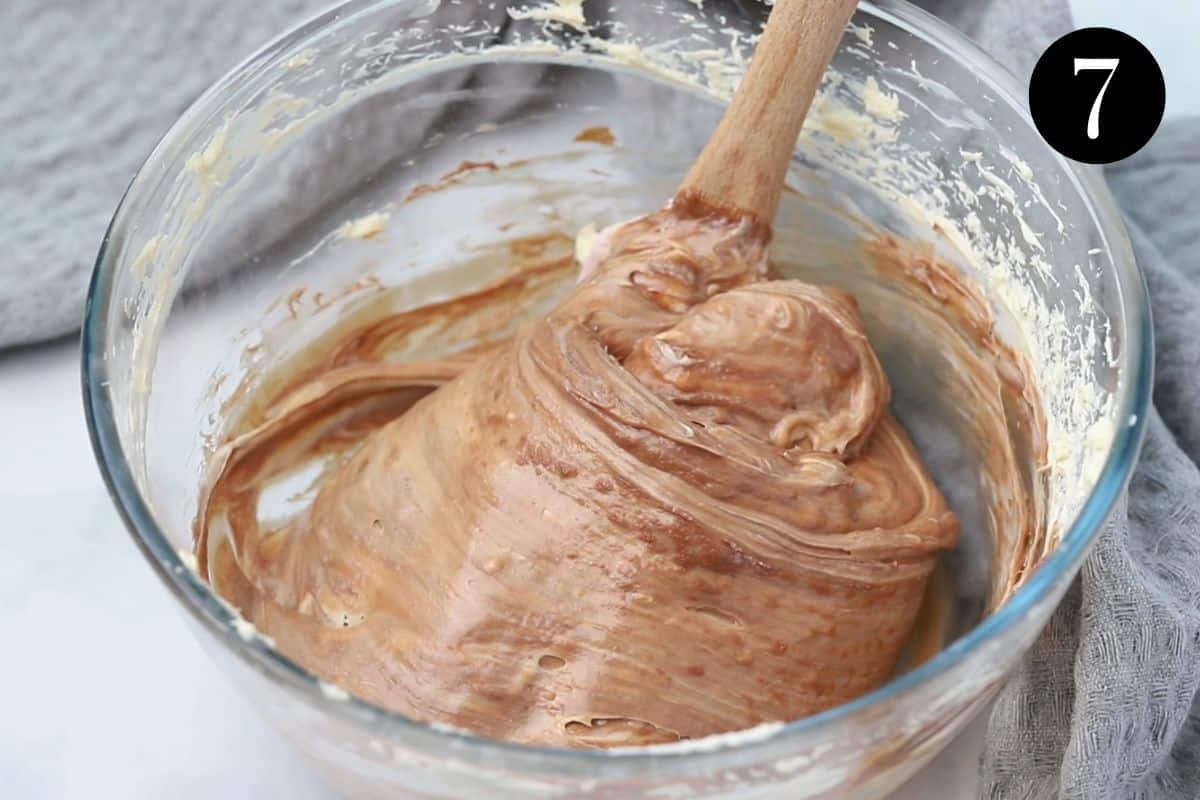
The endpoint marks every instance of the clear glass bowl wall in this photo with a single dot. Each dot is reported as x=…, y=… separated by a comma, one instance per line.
x=241, y=204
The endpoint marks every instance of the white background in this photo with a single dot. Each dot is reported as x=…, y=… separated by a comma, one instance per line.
x=106, y=695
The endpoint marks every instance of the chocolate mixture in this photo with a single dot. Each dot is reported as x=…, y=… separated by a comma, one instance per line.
x=676, y=505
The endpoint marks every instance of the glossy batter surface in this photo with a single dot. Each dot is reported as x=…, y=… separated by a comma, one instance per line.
x=676, y=505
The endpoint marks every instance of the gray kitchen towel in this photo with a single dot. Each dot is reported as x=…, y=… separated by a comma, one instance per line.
x=1105, y=705
x=89, y=86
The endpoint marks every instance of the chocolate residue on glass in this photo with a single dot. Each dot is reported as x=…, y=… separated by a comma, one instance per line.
x=992, y=400
x=599, y=134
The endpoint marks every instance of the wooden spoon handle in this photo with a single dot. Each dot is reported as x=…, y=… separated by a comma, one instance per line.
x=744, y=164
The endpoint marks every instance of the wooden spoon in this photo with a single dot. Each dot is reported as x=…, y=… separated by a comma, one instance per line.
x=743, y=166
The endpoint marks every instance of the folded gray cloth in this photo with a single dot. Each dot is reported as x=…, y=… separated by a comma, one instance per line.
x=89, y=87
x=1105, y=706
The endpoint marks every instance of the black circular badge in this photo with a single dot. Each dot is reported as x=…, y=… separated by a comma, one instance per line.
x=1097, y=95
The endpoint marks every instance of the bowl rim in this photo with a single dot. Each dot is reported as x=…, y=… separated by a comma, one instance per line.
x=218, y=618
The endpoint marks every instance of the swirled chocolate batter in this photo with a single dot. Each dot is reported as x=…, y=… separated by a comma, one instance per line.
x=675, y=505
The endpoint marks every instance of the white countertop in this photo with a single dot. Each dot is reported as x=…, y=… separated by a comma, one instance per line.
x=108, y=695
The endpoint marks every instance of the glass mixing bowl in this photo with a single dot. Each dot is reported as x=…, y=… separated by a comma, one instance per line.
x=393, y=148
